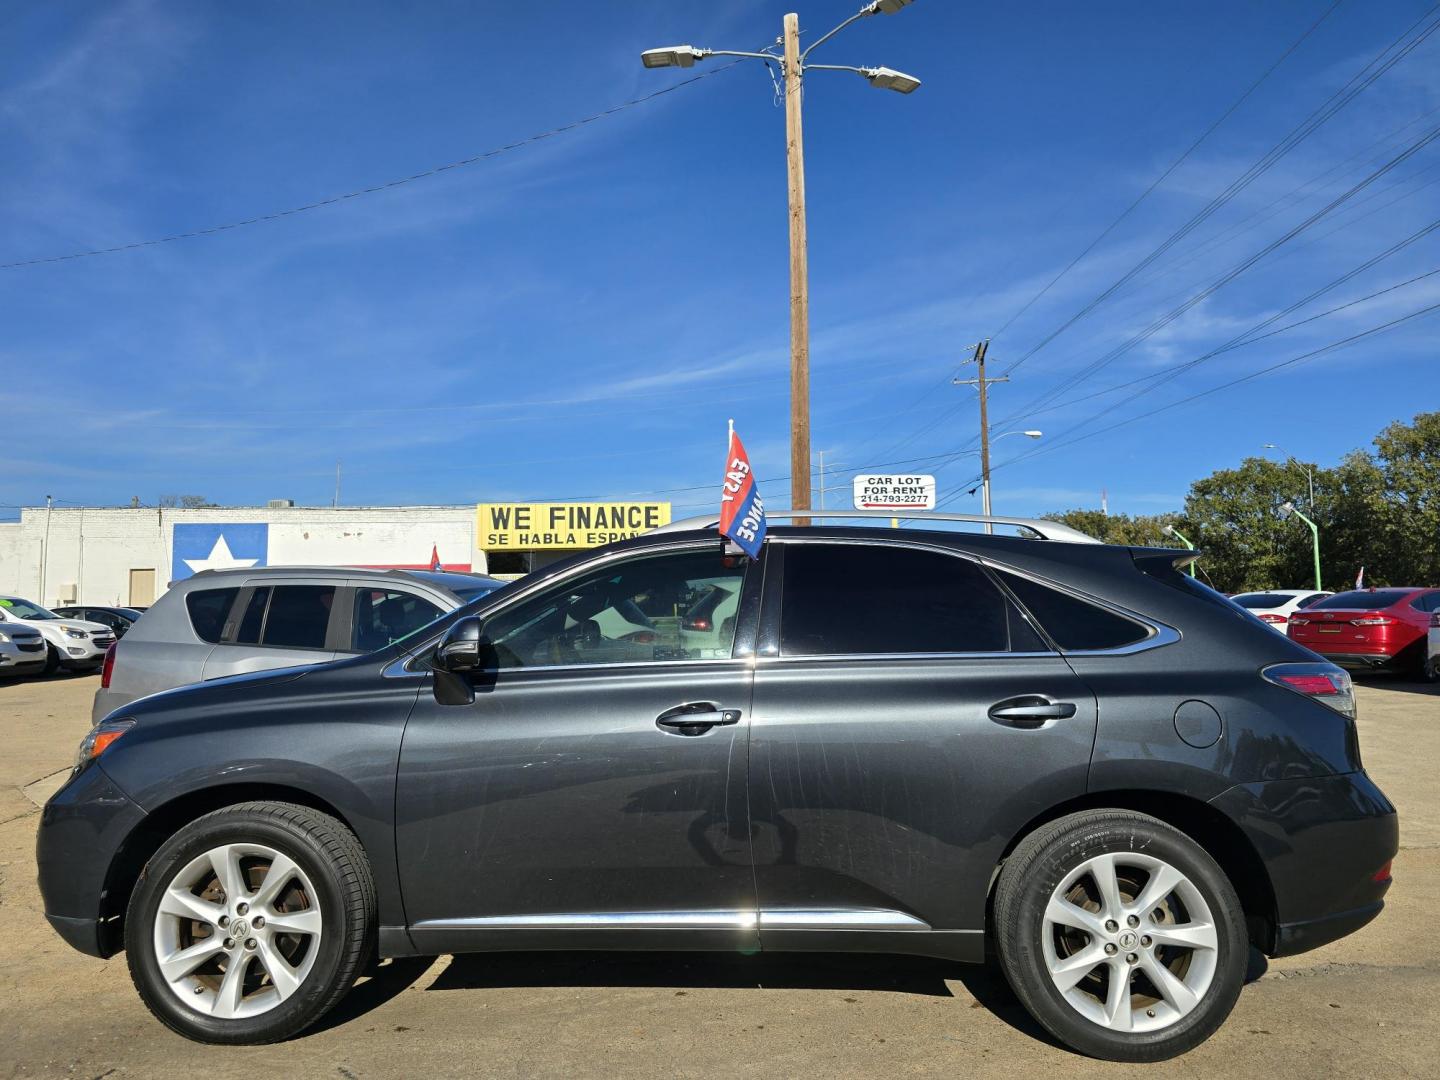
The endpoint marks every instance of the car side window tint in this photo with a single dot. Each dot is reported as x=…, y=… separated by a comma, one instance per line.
x=208, y=608
x=1311, y=599
x=253, y=619
x=1073, y=623
x=640, y=611
x=870, y=598
x=1425, y=601
x=298, y=617
x=385, y=615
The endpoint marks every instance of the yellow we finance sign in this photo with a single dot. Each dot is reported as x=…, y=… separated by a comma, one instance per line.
x=533, y=526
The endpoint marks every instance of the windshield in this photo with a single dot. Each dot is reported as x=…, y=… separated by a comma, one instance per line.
x=24, y=609
x=1261, y=599
x=1364, y=598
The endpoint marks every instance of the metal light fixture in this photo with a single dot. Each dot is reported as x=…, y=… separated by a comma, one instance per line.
x=1032, y=434
x=673, y=56
x=886, y=78
x=885, y=7
x=1286, y=509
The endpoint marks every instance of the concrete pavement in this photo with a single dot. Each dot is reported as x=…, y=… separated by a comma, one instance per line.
x=1365, y=1006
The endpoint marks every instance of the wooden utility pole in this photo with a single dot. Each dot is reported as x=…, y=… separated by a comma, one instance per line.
x=981, y=383
x=799, y=278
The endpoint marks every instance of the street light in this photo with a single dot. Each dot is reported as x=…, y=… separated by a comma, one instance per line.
x=793, y=64
x=1291, y=459
x=1286, y=509
x=1170, y=530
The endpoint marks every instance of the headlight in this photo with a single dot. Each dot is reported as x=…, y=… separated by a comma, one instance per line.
x=99, y=739
x=4, y=636
x=77, y=634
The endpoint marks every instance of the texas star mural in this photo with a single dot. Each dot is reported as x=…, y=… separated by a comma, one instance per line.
x=218, y=546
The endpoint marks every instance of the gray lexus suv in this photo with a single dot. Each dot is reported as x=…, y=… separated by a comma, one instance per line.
x=227, y=622
x=1069, y=755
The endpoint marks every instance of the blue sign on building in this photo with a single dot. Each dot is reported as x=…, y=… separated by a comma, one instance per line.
x=217, y=546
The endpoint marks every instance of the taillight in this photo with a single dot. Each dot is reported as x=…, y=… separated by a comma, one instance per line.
x=1383, y=874
x=1325, y=683
x=109, y=667
x=1271, y=617
x=1372, y=620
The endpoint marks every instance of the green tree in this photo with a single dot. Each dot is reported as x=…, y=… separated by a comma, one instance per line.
x=1140, y=530
x=1409, y=465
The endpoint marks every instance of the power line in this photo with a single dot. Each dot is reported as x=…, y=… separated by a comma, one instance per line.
x=1166, y=174
x=1356, y=85
x=376, y=188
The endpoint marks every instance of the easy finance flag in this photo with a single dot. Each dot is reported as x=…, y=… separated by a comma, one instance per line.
x=742, y=513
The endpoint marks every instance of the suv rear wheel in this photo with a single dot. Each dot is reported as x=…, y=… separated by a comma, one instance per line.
x=1120, y=935
x=250, y=923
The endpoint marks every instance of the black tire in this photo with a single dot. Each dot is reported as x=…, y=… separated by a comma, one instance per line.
x=52, y=660
x=1038, y=866
x=332, y=858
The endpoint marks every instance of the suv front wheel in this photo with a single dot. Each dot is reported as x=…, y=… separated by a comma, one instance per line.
x=1120, y=935
x=250, y=923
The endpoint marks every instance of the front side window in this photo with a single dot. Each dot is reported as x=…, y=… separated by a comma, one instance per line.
x=869, y=598
x=208, y=608
x=629, y=612
x=382, y=616
x=298, y=616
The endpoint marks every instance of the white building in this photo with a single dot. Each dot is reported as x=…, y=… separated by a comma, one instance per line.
x=121, y=556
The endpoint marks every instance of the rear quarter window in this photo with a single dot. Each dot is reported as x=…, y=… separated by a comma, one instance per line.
x=1074, y=624
x=208, y=608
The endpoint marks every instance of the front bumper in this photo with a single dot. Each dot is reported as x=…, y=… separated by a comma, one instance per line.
x=1323, y=841
x=81, y=835
x=14, y=661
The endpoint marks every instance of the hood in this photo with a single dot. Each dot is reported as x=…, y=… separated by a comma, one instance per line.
x=79, y=624
x=185, y=699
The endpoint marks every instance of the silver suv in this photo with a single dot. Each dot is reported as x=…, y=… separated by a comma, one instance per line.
x=228, y=622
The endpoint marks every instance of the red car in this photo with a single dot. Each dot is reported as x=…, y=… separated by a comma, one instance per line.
x=1369, y=628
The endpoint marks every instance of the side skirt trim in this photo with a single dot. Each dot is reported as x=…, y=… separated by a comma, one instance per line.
x=776, y=919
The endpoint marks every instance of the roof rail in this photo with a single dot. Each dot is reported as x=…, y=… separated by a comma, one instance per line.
x=1044, y=530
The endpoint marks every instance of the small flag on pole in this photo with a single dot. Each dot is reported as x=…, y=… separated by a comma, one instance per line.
x=742, y=512
x=434, y=557
x=1360, y=579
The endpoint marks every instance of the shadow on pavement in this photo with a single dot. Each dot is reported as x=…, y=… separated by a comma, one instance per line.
x=384, y=981
x=1405, y=684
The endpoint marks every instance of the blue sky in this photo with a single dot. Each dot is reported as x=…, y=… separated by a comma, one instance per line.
x=579, y=317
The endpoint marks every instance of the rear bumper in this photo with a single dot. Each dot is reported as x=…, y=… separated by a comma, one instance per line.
x=82, y=831
x=107, y=701
x=1323, y=840
x=1361, y=660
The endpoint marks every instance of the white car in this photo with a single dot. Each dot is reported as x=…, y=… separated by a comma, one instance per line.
x=69, y=643
x=1432, y=649
x=22, y=651
x=1275, y=606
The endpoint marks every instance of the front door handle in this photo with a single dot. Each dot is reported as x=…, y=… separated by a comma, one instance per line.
x=695, y=718
x=1030, y=710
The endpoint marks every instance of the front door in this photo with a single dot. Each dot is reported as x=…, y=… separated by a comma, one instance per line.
x=910, y=721
x=594, y=791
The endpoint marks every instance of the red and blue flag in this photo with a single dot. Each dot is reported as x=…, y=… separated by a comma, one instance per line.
x=742, y=512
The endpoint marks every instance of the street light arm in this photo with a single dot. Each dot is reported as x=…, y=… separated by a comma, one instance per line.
x=750, y=55
x=868, y=9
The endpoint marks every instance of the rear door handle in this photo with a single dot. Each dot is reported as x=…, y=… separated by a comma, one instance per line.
x=695, y=718
x=1030, y=710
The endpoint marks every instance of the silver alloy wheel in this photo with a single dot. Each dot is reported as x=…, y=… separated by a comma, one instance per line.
x=237, y=931
x=1130, y=942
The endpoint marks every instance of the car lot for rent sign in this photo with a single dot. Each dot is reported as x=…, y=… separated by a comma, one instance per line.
x=874, y=491
x=539, y=526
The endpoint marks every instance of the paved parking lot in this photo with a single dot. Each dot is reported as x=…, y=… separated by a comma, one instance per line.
x=1365, y=1006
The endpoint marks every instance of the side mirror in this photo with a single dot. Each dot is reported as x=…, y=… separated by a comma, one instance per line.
x=460, y=650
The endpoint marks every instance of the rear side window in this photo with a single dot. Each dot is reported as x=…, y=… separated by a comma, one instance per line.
x=1363, y=598
x=863, y=598
x=208, y=608
x=1311, y=599
x=1073, y=623
x=385, y=615
x=253, y=620
x=299, y=616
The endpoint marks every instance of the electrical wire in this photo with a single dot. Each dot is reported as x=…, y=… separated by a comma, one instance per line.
x=1167, y=173
x=376, y=188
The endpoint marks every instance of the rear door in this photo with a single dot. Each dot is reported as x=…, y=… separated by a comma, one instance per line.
x=280, y=623
x=908, y=720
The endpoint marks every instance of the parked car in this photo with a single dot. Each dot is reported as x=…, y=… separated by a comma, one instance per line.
x=22, y=651
x=1370, y=628
x=70, y=644
x=920, y=741
x=227, y=622
x=1275, y=606
x=1432, y=650
x=118, y=619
